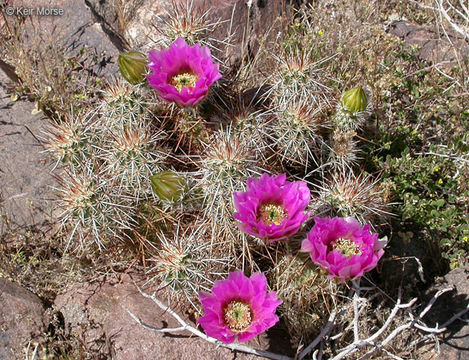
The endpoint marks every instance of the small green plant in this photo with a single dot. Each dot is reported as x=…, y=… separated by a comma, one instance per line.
x=432, y=192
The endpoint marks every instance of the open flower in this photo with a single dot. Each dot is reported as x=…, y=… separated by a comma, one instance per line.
x=182, y=73
x=238, y=307
x=343, y=247
x=272, y=208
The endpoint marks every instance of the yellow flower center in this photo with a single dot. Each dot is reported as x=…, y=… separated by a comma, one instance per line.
x=271, y=213
x=237, y=315
x=184, y=80
x=347, y=247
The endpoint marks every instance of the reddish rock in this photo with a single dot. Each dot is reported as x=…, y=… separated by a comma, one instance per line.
x=248, y=25
x=434, y=46
x=96, y=313
x=20, y=319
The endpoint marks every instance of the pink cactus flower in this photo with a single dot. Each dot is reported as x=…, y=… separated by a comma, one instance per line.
x=343, y=247
x=182, y=73
x=272, y=208
x=238, y=307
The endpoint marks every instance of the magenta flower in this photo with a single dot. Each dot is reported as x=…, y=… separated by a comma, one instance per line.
x=272, y=208
x=344, y=248
x=238, y=307
x=182, y=73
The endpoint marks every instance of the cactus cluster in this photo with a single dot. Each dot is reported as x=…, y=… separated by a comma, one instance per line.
x=183, y=262
x=107, y=157
x=171, y=161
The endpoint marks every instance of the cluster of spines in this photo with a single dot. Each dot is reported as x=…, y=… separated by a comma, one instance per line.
x=92, y=210
x=108, y=157
x=296, y=133
x=184, y=262
x=130, y=156
x=307, y=293
x=225, y=163
x=69, y=140
x=192, y=23
x=360, y=196
x=123, y=105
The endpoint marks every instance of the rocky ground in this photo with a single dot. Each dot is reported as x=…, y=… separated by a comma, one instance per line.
x=93, y=312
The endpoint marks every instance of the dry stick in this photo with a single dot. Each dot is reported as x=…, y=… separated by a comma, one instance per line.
x=186, y=326
x=441, y=9
x=356, y=299
x=152, y=328
x=455, y=26
x=398, y=330
x=442, y=327
x=370, y=341
x=451, y=156
x=391, y=355
x=418, y=318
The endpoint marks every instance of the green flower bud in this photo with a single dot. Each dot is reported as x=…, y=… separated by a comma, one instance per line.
x=167, y=185
x=133, y=66
x=354, y=100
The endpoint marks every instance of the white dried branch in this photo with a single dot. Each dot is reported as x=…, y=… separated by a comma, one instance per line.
x=356, y=299
x=453, y=157
x=414, y=322
x=457, y=316
x=435, y=330
x=443, y=11
x=152, y=328
x=371, y=342
x=441, y=7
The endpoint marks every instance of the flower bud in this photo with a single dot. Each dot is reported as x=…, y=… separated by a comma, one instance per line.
x=354, y=100
x=167, y=185
x=133, y=66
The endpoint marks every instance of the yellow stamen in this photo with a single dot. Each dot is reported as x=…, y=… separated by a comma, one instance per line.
x=347, y=247
x=271, y=213
x=237, y=315
x=184, y=80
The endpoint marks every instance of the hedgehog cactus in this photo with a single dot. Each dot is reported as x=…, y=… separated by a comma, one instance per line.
x=123, y=105
x=69, y=140
x=299, y=76
x=347, y=194
x=185, y=180
x=182, y=261
x=296, y=133
x=343, y=149
x=225, y=163
x=131, y=156
x=89, y=206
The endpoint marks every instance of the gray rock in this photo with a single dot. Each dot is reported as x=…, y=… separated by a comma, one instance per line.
x=21, y=320
x=25, y=194
x=75, y=28
x=454, y=343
